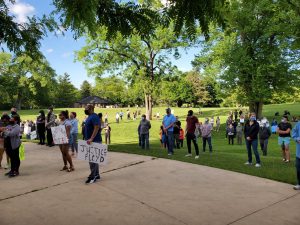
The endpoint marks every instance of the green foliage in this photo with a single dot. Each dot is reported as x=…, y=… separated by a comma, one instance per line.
x=85, y=90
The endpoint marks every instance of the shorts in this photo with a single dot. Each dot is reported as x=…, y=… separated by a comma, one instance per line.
x=284, y=141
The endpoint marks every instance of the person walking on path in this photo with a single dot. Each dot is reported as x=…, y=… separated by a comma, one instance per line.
x=284, y=130
x=64, y=148
x=206, y=130
x=41, y=127
x=92, y=134
x=191, y=124
x=145, y=126
x=296, y=137
x=251, y=135
x=107, y=130
x=239, y=134
x=168, y=123
x=12, y=140
x=230, y=134
x=74, y=133
x=264, y=135
x=50, y=123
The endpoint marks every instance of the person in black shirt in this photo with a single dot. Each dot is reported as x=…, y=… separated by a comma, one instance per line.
x=284, y=131
x=176, y=133
x=41, y=128
x=251, y=135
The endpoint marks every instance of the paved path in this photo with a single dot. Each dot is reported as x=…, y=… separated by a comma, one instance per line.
x=139, y=190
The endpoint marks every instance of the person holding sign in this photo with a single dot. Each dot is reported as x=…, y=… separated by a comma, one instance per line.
x=92, y=134
x=64, y=148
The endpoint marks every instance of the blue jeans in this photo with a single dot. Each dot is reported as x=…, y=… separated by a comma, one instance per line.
x=73, y=142
x=298, y=169
x=208, y=139
x=252, y=144
x=94, y=167
x=170, y=142
x=145, y=141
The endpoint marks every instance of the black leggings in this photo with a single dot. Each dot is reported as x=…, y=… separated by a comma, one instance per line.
x=189, y=139
x=42, y=136
x=230, y=139
x=49, y=137
x=14, y=159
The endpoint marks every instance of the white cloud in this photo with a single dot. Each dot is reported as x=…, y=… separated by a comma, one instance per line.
x=49, y=50
x=66, y=54
x=21, y=11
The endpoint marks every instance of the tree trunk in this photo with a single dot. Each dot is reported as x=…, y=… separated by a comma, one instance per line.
x=148, y=104
x=257, y=108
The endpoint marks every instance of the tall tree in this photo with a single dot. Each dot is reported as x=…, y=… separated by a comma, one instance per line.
x=137, y=59
x=65, y=92
x=253, y=57
x=85, y=89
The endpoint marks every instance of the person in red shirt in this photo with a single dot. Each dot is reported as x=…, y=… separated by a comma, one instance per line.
x=181, y=137
x=191, y=123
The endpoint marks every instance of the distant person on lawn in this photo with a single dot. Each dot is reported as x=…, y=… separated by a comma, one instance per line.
x=191, y=124
x=206, y=130
x=92, y=134
x=168, y=123
x=145, y=126
x=239, y=134
x=107, y=131
x=41, y=127
x=230, y=134
x=284, y=130
x=264, y=135
x=296, y=137
x=251, y=135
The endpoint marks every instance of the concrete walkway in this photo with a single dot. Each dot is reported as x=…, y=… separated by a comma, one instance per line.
x=140, y=190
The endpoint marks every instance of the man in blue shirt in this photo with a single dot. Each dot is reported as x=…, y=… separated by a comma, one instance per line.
x=296, y=137
x=92, y=133
x=168, y=124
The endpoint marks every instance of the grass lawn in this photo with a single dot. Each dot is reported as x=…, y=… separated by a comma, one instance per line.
x=125, y=139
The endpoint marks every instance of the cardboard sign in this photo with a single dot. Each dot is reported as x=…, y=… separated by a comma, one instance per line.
x=95, y=152
x=33, y=135
x=59, y=135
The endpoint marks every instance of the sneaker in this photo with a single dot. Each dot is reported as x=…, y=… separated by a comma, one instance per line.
x=98, y=177
x=248, y=163
x=297, y=187
x=188, y=155
x=197, y=157
x=257, y=165
x=283, y=160
x=88, y=180
x=287, y=161
x=93, y=180
x=8, y=173
x=169, y=154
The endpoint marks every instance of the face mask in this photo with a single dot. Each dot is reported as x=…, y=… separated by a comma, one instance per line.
x=86, y=112
x=12, y=122
x=143, y=118
x=282, y=120
x=252, y=118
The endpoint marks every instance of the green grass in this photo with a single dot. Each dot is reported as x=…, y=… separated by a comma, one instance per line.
x=125, y=139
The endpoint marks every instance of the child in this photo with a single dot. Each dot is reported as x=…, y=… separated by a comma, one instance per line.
x=230, y=134
x=162, y=137
x=181, y=137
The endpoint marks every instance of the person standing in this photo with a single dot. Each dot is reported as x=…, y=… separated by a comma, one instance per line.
x=296, y=137
x=264, y=135
x=230, y=134
x=92, y=134
x=64, y=148
x=145, y=126
x=191, y=124
x=176, y=133
x=41, y=127
x=107, y=130
x=206, y=130
x=218, y=124
x=251, y=134
x=274, y=126
x=181, y=136
x=284, y=130
x=212, y=122
x=168, y=124
x=239, y=134
x=12, y=144
x=106, y=118
x=74, y=133
x=117, y=117
x=50, y=123
x=121, y=115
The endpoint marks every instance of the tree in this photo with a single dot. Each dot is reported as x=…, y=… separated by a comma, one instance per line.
x=85, y=89
x=252, y=57
x=65, y=92
x=143, y=60
x=22, y=77
x=137, y=17
x=23, y=37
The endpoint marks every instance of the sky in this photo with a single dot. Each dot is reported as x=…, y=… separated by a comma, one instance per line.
x=59, y=49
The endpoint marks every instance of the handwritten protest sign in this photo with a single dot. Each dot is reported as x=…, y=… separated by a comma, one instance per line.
x=59, y=135
x=33, y=135
x=96, y=153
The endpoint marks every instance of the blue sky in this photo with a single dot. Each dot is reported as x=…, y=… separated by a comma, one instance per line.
x=59, y=50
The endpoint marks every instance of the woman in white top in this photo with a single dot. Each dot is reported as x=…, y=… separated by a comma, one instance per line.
x=64, y=148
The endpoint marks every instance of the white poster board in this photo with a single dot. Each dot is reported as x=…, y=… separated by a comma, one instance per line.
x=95, y=153
x=59, y=135
x=33, y=135
x=27, y=129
